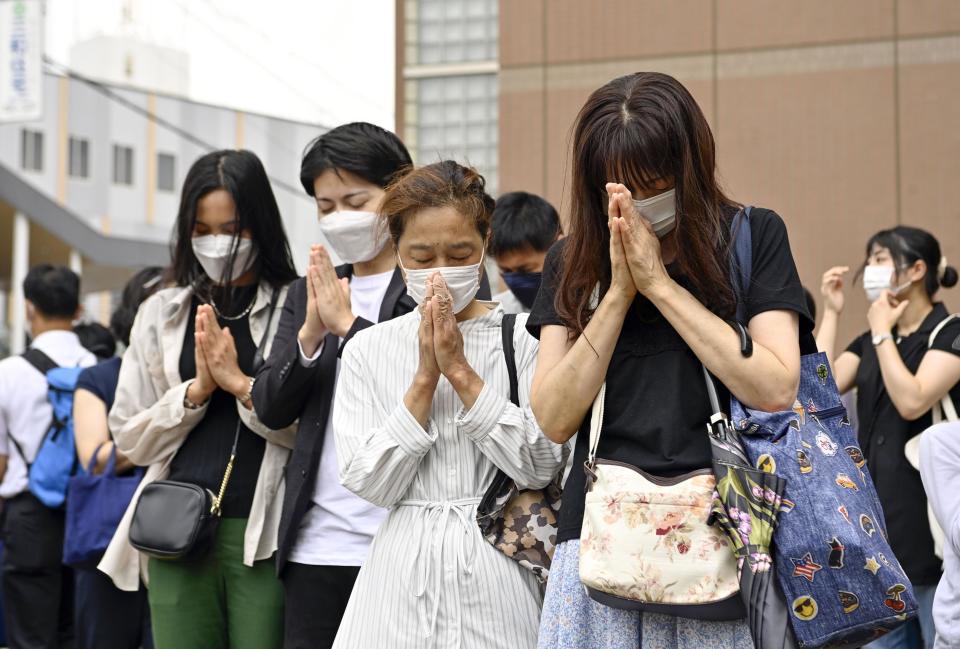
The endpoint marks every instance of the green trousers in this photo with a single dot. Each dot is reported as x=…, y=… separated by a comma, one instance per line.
x=217, y=602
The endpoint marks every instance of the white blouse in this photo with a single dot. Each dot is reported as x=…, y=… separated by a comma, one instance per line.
x=431, y=580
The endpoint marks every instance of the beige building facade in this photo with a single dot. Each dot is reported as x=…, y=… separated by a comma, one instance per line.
x=843, y=116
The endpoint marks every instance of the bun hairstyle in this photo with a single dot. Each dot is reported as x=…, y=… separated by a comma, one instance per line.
x=441, y=184
x=141, y=286
x=907, y=245
x=946, y=274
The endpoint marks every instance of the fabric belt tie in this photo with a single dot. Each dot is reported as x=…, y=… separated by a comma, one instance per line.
x=428, y=563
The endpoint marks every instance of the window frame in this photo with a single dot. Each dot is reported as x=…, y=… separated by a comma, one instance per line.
x=127, y=152
x=173, y=172
x=34, y=138
x=84, y=158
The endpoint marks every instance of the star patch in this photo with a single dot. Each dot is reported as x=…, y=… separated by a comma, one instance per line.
x=872, y=565
x=805, y=567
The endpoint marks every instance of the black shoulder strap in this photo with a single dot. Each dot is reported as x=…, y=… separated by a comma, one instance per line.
x=40, y=361
x=506, y=330
x=43, y=364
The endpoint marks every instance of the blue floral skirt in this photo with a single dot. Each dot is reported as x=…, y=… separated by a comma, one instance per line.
x=571, y=620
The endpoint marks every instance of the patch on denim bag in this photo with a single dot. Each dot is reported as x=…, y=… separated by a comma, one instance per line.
x=766, y=463
x=856, y=455
x=806, y=567
x=835, y=560
x=805, y=608
x=822, y=373
x=800, y=412
x=894, y=602
x=849, y=601
x=866, y=524
x=845, y=513
x=804, y=462
x=826, y=445
x=843, y=480
x=872, y=565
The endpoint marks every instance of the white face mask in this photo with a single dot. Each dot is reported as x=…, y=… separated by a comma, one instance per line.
x=213, y=252
x=660, y=211
x=877, y=279
x=463, y=282
x=354, y=236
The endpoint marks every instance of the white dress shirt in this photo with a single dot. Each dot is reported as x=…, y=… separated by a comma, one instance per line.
x=431, y=580
x=25, y=412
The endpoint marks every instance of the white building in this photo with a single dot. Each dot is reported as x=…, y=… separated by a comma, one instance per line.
x=95, y=182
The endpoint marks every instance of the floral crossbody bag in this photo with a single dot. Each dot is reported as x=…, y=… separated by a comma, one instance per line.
x=645, y=543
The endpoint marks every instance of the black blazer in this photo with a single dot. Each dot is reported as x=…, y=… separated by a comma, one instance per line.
x=285, y=390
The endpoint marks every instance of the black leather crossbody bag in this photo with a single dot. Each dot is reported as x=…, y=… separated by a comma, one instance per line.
x=179, y=520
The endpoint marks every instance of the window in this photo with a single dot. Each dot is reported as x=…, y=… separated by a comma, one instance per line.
x=166, y=166
x=122, y=164
x=452, y=31
x=457, y=120
x=79, y=158
x=31, y=150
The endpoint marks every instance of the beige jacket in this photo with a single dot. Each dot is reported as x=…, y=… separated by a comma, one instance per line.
x=149, y=423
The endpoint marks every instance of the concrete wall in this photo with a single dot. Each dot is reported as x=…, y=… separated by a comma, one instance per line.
x=840, y=116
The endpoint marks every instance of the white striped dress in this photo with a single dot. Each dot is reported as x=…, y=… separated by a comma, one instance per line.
x=431, y=580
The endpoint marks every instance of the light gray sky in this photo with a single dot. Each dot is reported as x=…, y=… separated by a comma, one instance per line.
x=326, y=61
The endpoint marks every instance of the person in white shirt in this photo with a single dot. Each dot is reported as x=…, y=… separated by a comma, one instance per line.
x=37, y=588
x=325, y=531
x=523, y=228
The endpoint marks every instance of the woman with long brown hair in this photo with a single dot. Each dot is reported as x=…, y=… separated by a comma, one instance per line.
x=639, y=296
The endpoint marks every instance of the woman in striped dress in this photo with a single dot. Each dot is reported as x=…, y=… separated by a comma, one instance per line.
x=423, y=419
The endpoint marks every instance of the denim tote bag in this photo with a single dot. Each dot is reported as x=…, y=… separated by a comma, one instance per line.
x=841, y=580
x=843, y=585
x=95, y=505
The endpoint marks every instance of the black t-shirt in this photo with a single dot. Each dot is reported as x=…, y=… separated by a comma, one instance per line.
x=101, y=380
x=656, y=403
x=884, y=433
x=203, y=456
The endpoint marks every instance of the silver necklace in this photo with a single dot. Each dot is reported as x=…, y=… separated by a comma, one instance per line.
x=241, y=316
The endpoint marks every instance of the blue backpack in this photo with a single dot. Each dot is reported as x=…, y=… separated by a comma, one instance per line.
x=49, y=473
x=843, y=585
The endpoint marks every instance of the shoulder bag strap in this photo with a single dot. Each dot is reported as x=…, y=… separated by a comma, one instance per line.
x=596, y=424
x=945, y=408
x=40, y=361
x=507, y=326
x=257, y=361
x=741, y=271
x=742, y=260
x=43, y=364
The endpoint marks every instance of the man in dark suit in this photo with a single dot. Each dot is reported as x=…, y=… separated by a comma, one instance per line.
x=325, y=530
